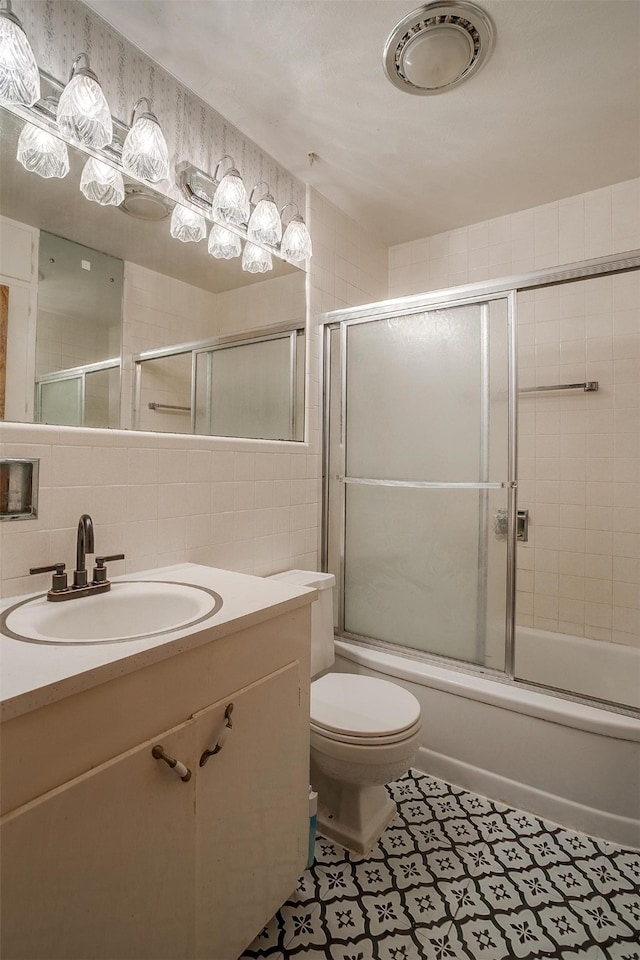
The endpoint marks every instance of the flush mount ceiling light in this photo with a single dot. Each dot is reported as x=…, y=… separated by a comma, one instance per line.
x=437, y=47
x=144, y=205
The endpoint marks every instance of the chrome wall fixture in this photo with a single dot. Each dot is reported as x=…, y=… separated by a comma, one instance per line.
x=227, y=203
x=77, y=112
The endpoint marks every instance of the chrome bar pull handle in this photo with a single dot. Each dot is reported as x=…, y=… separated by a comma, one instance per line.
x=221, y=735
x=183, y=772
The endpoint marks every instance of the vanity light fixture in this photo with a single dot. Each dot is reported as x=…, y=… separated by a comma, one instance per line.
x=230, y=201
x=256, y=259
x=223, y=244
x=296, y=241
x=83, y=112
x=42, y=153
x=101, y=183
x=187, y=225
x=265, y=225
x=19, y=76
x=144, y=153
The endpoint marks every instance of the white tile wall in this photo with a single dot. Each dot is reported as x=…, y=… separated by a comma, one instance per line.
x=590, y=225
x=579, y=454
x=161, y=499
x=252, y=506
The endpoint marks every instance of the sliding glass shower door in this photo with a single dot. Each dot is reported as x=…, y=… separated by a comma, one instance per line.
x=419, y=483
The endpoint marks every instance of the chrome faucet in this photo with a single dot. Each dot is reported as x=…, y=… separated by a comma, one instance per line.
x=84, y=545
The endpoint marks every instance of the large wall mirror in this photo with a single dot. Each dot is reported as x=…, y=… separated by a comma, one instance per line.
x=113, y=323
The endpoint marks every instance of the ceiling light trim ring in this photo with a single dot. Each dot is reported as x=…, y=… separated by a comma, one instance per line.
x=464, y=17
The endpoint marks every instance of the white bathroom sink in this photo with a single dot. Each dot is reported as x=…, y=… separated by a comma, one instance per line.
x=132, y=609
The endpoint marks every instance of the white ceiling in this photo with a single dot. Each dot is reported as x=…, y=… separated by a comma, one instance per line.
x=555, y=111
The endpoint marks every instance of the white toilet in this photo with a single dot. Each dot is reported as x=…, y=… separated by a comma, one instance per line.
x=364, y=733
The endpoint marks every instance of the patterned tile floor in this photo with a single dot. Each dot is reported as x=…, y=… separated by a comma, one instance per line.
x=459, y=877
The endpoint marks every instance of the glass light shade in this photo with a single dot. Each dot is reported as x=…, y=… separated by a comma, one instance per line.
x=42, y=153
x=255, y=259
x=230, y=201
x=101, y=183
x=187, y=225
x=144, y=153
x=223, y=244
x=437, y=57
x=83, y=112
x=19, y=77
x=296, y=242
x=265, y=225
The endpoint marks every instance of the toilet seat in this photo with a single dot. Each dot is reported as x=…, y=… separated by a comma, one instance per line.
x=346, y=738
x=349, y=708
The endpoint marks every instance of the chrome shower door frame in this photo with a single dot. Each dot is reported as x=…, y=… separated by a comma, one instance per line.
x=346, y=319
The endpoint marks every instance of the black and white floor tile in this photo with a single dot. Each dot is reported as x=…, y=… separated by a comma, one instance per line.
x=459, y=877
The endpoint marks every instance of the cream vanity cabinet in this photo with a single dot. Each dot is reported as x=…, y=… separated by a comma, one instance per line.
x=123, y=859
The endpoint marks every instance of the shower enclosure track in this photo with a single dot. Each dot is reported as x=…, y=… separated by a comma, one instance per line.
x=507, y=287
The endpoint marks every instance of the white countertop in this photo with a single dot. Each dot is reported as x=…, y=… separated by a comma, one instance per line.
x=34, y=674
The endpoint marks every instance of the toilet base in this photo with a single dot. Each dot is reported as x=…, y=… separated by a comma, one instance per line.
x=353, y=815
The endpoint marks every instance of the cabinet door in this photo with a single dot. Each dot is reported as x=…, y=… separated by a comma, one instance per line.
x=103, y=867
x=252, y=812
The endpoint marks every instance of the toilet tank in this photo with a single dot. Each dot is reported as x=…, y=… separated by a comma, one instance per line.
x=322, y=646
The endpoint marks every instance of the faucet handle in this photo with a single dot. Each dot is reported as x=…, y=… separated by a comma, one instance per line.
x=59, y=580
x=100, y=570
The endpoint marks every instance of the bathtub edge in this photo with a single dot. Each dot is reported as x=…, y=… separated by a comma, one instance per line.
x=562, y=811
x=542, y=705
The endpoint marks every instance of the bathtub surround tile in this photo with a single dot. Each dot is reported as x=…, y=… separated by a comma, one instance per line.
x=459, y=877
x=581, y=452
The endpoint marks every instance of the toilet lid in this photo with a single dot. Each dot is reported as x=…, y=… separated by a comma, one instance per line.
x=361, y=706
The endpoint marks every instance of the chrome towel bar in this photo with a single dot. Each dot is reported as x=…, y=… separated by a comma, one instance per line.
x=589, y=386
x=167, y=406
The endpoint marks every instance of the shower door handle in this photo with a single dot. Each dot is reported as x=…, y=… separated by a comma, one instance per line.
x=501, y=525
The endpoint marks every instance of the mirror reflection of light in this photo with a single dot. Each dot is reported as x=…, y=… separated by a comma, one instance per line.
x=223, y=244
x=255, y=259
x=42, y=153
x=101, y=183
x=187, y=225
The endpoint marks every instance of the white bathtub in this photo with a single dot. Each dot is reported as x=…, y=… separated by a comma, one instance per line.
x=593, y=668
x=574, y=764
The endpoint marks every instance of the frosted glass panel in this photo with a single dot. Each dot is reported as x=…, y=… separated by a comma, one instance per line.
x=427, y=395
x=102, y=398
x=61, y=402
x=165, y=394
x=251, y=390
x=421, y=571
